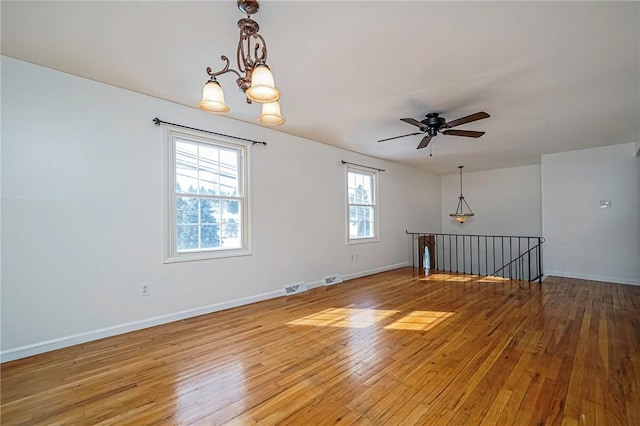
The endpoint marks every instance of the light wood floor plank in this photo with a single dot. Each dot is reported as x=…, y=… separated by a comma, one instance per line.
x=396, y=348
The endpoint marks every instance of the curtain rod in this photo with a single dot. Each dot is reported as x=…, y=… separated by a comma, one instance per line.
x=157, y=121
x=366, y=167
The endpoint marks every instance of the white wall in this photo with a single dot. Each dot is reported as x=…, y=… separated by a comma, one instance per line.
x=583, y=240
x=82, y=214
x=505, y=201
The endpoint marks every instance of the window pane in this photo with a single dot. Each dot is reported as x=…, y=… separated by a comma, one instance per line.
x=229, y=159
x=208, y=211
x=210, y=236
x=353, y=230
x=364, y=230
x=361, y=222
x=231, y=221
x=186, y=167
x=367, y=184
x=351, y=180
x=232, y=237
x=186, y=210
x=230, y=210
x=229, y=172
x=353, y=213
x=353, y=221
x=228, y=184
x=208, y=182
x=367, y=223
x=358, y=195
x=187, y=237
x=352, y=195
x=208, y=170
x=364, y=222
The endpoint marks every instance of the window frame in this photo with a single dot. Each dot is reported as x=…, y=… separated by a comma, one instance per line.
x=376, y=201
x=171, y=254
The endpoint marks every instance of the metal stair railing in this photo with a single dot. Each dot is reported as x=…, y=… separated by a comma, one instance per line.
x=507, y=256
x=518, y=265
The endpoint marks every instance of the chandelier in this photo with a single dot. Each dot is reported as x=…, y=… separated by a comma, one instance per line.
x=254, y=76
x=459, y=215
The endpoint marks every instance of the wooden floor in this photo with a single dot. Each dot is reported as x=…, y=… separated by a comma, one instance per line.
x=390, y=349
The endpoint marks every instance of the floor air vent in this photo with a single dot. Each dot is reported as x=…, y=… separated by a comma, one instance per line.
x=332, y=279
x=295, y=288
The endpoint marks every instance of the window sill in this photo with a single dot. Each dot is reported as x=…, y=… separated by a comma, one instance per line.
x=363, y=241
x=190, y=257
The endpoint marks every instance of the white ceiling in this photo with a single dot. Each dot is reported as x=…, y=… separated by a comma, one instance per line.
x=555, y=76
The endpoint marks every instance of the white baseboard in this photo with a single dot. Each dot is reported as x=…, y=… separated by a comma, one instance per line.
x=374, y=271
x=314, y=284
x=76, y=339
x=615, y=280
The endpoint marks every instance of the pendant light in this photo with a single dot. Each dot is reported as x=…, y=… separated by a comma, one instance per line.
x=459, y=215
x=254, y=77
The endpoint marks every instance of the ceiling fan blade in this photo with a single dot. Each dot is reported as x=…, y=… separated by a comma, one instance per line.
x=468, y=119
x=414, y=122
x=465, y=133
x=425, y=142
x=396, y=137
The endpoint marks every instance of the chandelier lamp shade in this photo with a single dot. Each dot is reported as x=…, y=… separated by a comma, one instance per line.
x=213, y=98
x=271, y=114
x=460, y=215
x=254, y=77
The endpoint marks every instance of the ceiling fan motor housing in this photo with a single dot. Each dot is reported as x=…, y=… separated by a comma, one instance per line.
x=433, y=123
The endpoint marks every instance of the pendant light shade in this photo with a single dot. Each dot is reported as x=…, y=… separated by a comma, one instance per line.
x=460, y=216
x=262, y=88
x=271, y=114
x=213, y=98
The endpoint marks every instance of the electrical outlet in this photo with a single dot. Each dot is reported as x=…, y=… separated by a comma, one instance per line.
x=145, y=289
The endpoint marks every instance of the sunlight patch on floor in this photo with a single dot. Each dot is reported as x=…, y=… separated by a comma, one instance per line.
x=493, y=280
x=449, y=277
x=345, y=317
x=420, y=320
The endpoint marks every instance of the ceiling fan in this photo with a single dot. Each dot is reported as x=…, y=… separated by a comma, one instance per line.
x=434, y=124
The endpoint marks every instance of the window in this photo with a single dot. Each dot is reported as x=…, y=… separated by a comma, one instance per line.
x=361, y=205
x=207, y=204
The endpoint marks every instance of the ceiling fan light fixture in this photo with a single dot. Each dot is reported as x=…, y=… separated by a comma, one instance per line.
x=460, y=216
x=271, y=114
x=213, y=98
